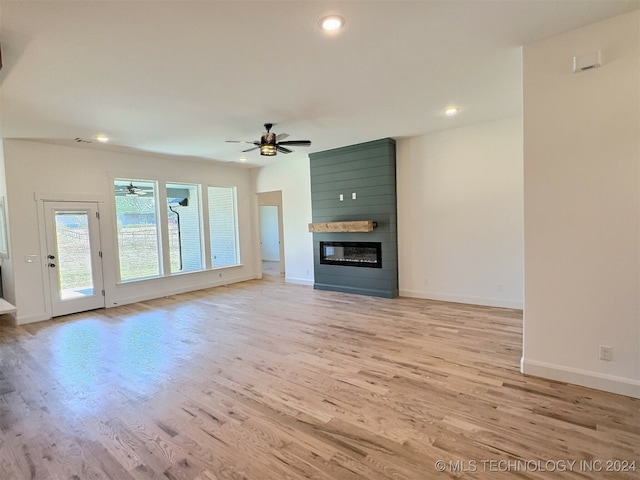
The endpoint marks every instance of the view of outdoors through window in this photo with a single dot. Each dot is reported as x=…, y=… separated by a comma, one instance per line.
x=73, y=255
x=139, y=246
x=137, y=229
x=185, y=246
x=223, y=226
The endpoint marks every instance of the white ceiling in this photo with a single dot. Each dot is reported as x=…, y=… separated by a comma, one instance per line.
x=181, y=77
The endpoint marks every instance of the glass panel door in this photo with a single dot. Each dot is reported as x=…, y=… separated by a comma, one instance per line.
x=73, y=257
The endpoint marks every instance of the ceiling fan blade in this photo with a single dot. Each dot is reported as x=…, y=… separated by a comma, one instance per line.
x=251, y=149
x=300, y=143
x=240, y=141
x=281, y=136
x=282, y=149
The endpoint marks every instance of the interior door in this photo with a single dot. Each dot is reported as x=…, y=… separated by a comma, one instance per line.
x=269, y=234
x=74, y=257
x=271, y=239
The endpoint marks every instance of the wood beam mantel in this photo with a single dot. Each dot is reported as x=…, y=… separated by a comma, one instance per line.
x=353, y=226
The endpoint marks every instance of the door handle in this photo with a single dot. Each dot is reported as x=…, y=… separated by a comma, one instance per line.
x=51, y=265
x=51, y=257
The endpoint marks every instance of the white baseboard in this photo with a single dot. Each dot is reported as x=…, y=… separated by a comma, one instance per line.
x=599, y=381
x=116, y=302
x=487, y=302
x=178, y=290
x=40, y=317
x=298, y=281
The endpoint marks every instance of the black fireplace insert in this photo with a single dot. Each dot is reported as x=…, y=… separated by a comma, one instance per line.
x=353, y=254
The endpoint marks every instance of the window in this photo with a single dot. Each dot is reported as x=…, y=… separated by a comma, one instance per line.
x=223, y=221
x=142, y=252
x=137, y=229
x=185, y=232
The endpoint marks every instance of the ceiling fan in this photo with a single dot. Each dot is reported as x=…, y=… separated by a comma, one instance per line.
x=132, y=190
x=270, y=143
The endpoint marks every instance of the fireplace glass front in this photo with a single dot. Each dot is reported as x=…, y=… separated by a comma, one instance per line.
x=354, y=254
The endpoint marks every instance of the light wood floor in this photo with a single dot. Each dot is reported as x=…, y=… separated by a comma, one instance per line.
x=270, y=268
x=267, y=381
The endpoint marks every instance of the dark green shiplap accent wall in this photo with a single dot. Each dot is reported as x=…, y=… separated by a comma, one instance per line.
x=369, y=170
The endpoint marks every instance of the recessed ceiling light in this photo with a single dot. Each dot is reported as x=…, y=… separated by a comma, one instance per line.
x=451, y=111
x=243, y=159
x=331, y=23
x=102, y=138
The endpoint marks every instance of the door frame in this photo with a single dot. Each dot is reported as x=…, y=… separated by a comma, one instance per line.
x=41, y=198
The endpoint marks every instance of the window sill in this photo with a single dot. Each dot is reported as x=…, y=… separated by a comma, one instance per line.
x=178, y=274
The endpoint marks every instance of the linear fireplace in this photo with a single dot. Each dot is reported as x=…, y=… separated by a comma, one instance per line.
x=353, y=254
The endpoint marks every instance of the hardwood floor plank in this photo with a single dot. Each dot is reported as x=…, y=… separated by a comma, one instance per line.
x=269, y=381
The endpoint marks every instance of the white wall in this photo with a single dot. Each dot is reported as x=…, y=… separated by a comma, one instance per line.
x=460, y=214
x=293, y=178
x=582, y=207
x=39, y=170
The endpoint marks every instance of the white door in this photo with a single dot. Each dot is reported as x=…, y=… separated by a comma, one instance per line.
x=269, y=233
x=271, y=238
x=74, y=259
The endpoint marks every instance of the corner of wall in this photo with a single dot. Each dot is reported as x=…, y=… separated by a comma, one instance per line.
x=590, y=379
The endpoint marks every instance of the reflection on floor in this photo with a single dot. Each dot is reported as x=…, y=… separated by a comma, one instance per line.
x=270, y=268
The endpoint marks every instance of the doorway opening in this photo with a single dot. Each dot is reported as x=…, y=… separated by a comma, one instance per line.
x=271, y=233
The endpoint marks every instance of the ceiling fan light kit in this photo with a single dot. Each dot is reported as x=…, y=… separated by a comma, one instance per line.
x=268, y=144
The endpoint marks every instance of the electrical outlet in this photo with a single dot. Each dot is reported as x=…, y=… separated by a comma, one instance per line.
x=606, y=352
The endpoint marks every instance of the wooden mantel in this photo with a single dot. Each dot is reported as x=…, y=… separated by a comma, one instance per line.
x=353, y=226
